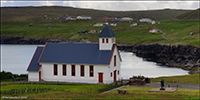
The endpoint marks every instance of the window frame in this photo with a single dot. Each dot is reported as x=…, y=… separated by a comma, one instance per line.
x=55, y=69
x=106, y=40
x=91, y=71
x=103, y=41
x=64, y=71
x=115, y=61
x=73, y=73
x=82, y=70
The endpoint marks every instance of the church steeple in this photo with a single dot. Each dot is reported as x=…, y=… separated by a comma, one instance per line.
x=106, y=38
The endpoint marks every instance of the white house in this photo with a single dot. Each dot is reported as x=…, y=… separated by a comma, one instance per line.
x=153, y=22
x=98, y=24
x=153, y=31
x=145, y=20
x=77, y=63
x=127, y=19
x=84, y=18
x=134, y=24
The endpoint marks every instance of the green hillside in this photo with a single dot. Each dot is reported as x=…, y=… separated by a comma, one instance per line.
x=15, y=22
x=190, y=15
x=22, y=13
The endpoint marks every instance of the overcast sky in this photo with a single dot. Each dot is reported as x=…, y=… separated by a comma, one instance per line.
x=114, y=5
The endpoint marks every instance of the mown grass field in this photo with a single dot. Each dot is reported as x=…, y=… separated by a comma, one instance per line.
x=93, y=91
x=193, y=78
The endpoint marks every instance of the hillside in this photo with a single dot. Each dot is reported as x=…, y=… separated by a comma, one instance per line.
x=22, y=13
x=190, y=15
x=16, y=21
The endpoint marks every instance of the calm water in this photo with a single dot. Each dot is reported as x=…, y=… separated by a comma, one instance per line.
x=16, y=58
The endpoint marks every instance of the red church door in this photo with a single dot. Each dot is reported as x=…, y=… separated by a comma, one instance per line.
x=100, y=77
x=115, y=75
x=39, y=75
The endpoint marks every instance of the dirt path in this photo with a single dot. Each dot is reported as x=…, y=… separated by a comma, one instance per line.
x=163, y=33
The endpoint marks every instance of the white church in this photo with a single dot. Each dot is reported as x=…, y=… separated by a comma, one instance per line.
x=76, y=62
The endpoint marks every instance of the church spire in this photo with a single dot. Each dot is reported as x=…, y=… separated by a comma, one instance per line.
x=106, y=38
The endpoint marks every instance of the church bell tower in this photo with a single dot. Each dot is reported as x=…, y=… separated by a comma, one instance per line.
x=106, y=38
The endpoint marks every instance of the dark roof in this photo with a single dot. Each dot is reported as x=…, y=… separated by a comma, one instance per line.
x=75, y=54
x=34, y=66
x=107, y=32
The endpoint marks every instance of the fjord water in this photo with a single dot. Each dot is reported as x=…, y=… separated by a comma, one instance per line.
x=16, y=58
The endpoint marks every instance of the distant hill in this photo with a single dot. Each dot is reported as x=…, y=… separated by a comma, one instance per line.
x=19, y=13
x=190, y=15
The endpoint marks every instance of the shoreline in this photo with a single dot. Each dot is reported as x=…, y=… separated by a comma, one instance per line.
x=186, y=57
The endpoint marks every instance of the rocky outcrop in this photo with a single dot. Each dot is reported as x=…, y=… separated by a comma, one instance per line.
x=186, y=57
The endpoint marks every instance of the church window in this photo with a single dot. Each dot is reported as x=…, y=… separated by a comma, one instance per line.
x=55, y=69
x=103, y=40
x=106, y=40
x=73, y=70
x=64, y=70
x=82, y=70
x=91, y=70
x=115, y=63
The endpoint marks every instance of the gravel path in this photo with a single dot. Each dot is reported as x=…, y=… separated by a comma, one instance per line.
x=176, y=85
x=163, y=34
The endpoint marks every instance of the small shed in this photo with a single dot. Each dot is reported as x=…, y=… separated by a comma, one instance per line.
x=98, y=24
x=113, y=24
x=134, y=24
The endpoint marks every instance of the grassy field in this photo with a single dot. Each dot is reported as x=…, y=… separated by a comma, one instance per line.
x=193, y=78
x=178, y=31
x=15, y=22
x=124, y=32
x=94, y=91
x=22, y=13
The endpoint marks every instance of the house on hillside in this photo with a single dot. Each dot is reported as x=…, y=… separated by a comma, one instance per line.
x=127, y=19
x=134, y=24
x=148, y=20
x=153, y=22
x=76, y=62
x=84, y=18
x=153, y=31
x=113, y=24
x=117, y=19
x=67, y=18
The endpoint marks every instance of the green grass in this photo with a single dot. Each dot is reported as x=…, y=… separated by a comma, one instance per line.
x=181, y=31
x=124, y=33
x=133, y=93
x=91, y=91
x=193, y=78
